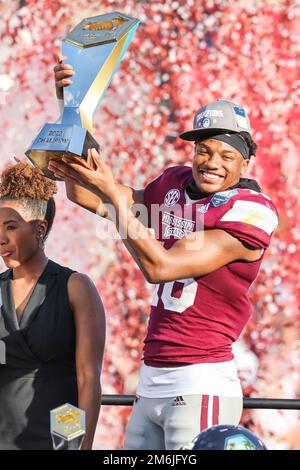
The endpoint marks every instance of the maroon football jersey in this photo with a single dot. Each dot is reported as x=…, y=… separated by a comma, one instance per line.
x=196, y=320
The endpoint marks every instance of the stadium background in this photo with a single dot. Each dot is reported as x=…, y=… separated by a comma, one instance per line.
x=184, y=53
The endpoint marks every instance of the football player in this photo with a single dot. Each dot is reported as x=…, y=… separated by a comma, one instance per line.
x=212, y=227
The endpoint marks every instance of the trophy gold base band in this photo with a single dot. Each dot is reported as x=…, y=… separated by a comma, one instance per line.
x=56, y=141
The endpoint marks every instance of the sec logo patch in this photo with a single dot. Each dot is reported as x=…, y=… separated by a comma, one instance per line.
x=172, y=197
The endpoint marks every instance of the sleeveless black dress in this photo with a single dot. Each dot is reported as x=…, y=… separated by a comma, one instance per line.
x=39, y=373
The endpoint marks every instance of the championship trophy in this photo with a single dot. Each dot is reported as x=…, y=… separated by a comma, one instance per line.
x=67, y=427
x=94, y=48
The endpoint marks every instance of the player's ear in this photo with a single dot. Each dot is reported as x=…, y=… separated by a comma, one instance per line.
x=245, y=164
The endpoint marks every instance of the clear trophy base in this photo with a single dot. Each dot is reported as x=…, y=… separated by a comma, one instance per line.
x=60, y=443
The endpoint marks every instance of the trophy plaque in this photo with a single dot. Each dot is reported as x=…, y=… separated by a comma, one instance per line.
x=67, y=427
x=94, y=48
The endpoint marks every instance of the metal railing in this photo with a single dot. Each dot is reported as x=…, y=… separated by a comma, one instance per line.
x=250, y=403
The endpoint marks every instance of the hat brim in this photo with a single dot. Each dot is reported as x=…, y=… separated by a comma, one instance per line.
x=201, y=134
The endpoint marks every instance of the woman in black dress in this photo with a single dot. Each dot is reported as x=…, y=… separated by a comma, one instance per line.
x=52, y=320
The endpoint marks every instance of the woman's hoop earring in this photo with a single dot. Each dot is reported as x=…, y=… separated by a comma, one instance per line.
x=41, y=241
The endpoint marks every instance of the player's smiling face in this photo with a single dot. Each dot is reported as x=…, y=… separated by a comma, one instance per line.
x=217, y=166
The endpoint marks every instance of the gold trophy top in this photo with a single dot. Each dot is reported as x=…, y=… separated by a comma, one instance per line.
x=101, y=29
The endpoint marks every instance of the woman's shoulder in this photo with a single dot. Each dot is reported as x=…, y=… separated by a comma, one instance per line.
x=82, y=291
x=79, y=280
x=54, y=268
x=80, y=287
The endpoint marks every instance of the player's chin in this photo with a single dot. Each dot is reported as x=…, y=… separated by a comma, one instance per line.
x=210, y=187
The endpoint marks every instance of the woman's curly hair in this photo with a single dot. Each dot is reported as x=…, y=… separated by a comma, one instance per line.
x=27, y=184
x=23, y=180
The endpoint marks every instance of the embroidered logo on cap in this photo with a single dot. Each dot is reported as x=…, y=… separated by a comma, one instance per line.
x=241, y=119
x=208, y=113
x=206, y=122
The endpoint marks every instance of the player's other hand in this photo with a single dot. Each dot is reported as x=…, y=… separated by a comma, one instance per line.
x=62, y=75
x=95, y=175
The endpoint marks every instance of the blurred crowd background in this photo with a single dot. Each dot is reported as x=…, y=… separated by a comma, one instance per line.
x=184, y=53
